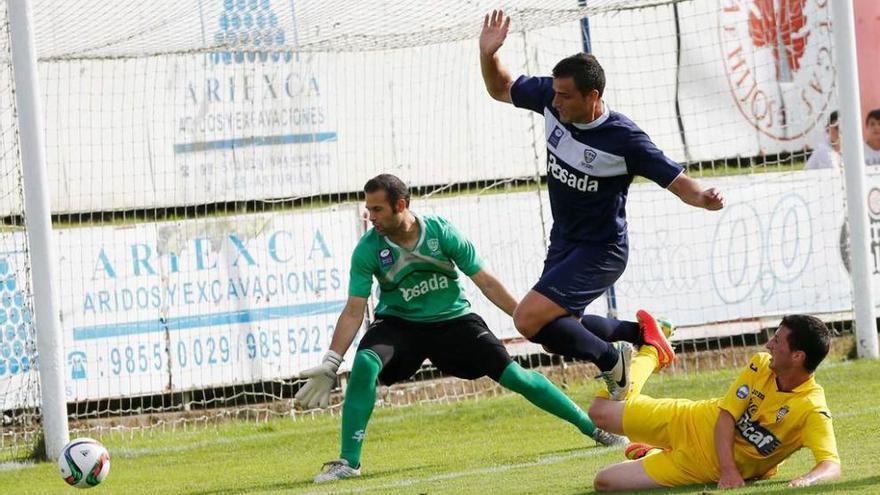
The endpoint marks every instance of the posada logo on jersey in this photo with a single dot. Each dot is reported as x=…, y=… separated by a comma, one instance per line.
x=436, y=282
x=778, y=60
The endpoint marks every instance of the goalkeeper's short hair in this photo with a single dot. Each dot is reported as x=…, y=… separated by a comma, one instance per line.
x=394, y=188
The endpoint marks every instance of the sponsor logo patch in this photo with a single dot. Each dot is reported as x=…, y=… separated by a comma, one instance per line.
x=555, y=136
x=386, y=257
x=742, y=392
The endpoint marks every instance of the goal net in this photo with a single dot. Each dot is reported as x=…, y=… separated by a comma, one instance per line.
x=206, y=160
x=19, y=383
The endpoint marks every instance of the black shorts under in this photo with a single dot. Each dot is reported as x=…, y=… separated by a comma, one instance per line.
x=463, y=347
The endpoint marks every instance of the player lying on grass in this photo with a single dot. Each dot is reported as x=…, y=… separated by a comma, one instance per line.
x=774, y=408
x=422, y=313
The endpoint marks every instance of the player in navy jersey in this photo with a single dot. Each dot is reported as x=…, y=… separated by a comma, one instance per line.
x=593, y=153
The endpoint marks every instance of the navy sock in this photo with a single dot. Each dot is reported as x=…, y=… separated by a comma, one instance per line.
x=611, y=330
x=567, y=337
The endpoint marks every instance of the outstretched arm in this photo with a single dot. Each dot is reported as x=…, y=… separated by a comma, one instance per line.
x=494, y=291
x=691, y=193
x=321, y=378
x=348, y=324
x=730, y=475
x=824, y=471
x=496, y=77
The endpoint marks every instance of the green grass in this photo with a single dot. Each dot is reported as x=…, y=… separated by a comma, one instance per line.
x=498, y=445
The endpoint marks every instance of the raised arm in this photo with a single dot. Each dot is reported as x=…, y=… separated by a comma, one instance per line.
x=495, y=291
x=730, y=475
x=691, y=193
x=824, y=471
x=498, y=80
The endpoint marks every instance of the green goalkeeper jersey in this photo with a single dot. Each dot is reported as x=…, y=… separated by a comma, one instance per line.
x=421, y=284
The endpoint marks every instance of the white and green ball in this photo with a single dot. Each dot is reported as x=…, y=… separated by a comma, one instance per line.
x=84, y=463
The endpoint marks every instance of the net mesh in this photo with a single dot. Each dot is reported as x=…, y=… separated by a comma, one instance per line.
x=19, y=383
x=206, y=160
x=90, y=29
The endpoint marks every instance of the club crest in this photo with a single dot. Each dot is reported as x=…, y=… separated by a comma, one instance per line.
x=434, y=245
x=589, y=155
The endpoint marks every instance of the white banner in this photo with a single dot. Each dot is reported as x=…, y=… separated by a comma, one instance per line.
x=775, y=249
x=189, y=129
x=152, y=308
x=158, y=307
x=268, y=121
x=18, y=367
x=729, y=83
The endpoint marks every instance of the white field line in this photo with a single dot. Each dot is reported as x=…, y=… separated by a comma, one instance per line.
x=542, y=461
x=132, y=453
x=509, y=467
x=12, y=466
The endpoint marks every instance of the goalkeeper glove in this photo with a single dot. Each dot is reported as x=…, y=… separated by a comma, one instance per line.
x=316, y=392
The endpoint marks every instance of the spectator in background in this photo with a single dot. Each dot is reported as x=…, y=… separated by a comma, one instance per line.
x=872, y=137
x=827, y=153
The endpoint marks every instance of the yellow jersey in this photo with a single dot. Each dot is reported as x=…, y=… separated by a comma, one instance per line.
x=771, y=424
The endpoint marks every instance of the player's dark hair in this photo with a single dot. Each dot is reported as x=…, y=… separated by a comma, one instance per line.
x=810, y=335
x=585, y=70
x=832, y=119
x=394, y=188
x=873, y=114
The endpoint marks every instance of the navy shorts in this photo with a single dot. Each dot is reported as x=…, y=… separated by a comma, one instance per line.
x=577, y=273
x=463, y=347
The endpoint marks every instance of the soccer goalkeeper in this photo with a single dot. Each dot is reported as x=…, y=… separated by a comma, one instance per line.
x=422, y=313
x=774, y=408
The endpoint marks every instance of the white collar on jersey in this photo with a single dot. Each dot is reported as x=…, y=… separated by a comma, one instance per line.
x=421, y=223
x=596, y=123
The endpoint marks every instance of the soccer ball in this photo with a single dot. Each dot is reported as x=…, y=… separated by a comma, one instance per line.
x=84, y=463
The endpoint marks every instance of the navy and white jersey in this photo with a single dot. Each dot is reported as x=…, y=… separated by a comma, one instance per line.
x=590, y=166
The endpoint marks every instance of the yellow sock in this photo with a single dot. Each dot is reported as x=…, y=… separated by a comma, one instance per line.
x=641, y=368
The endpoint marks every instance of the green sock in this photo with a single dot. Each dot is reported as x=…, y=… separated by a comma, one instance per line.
x=541, y=392
x=360, y=398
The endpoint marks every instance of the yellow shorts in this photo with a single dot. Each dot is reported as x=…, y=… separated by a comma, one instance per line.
x=684, y=428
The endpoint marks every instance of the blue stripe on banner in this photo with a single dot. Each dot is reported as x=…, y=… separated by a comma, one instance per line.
x=315, y=137
x=208, y=320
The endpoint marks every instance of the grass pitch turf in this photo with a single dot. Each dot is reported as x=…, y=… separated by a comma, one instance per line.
x=497, y=445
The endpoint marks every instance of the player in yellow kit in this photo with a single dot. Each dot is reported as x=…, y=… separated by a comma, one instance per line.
x=774, y=408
